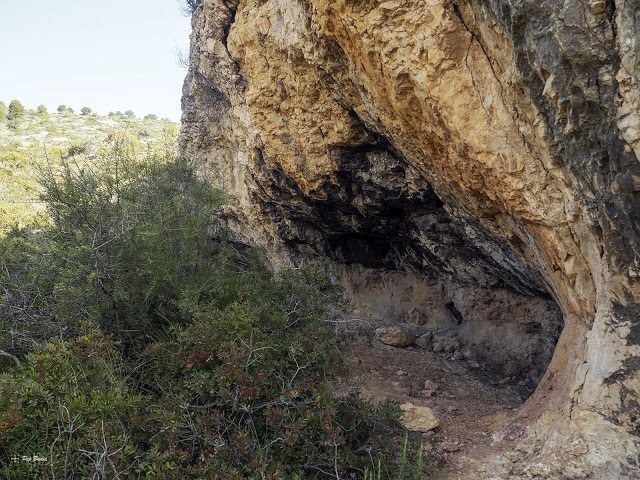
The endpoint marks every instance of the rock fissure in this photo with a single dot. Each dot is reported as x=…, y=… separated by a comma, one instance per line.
x=232, y=9
x=484, y=51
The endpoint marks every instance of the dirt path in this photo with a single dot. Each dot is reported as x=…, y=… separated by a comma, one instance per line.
x=470, y=405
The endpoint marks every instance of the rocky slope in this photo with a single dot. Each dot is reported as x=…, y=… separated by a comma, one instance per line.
x=485, y=151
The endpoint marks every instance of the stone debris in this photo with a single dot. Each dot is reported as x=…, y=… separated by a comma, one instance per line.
x=418, y=419
x=430, y=387
x=395, y=336
x=417, y=317
x=424, y=341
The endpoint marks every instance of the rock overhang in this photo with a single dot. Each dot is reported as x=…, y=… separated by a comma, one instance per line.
x=488, y=143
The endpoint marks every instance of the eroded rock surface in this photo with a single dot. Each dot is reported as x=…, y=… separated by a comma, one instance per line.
x=487, y=147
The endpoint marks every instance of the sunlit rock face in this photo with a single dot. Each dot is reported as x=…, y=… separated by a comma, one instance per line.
x=478, y=146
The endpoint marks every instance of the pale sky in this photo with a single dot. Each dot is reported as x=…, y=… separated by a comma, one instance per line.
x=107, y=55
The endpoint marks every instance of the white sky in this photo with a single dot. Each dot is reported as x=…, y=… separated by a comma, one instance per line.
x=107, y=55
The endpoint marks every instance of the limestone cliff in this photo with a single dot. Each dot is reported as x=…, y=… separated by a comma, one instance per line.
x=481, y=145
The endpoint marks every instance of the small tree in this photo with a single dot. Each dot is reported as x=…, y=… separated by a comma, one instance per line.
x=85, y=111
x=62, y=108
x=130, y=114
x=42, y=110
x=71, y=110
x=151, y=116
x=16, y=110
x=15, y=113
x=3, y=111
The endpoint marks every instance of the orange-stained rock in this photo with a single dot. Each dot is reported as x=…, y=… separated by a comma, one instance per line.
x=489, y=145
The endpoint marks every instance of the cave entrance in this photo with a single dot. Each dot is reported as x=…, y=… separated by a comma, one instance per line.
x=496, y=340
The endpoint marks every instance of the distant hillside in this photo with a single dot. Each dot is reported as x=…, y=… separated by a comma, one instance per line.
x=39, y=137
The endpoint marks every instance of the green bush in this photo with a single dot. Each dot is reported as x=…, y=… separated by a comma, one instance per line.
x=250, y=388
x=129, y=238
x=26, y=292
x=250, y=384
x=13, y=124
x=173, y=352
x=245, y=391
x=69, y=410
x=129, y=246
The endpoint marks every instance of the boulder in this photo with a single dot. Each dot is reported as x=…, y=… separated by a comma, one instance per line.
x=418, y=419
x=395, y=336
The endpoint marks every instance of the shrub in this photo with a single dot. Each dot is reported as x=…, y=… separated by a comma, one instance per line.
x=62, y=108
x=3, y=111
x=27, y=283
x=69, y=410
x=129, y=239
x=243, y=392
x=85, y=111
x=189, y=6
x=128, y=246
x=76, y=149
x=177, y=353
x=41, y=110
x=250, y=384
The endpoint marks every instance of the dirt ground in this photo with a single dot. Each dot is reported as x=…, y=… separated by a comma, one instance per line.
x=472, y=405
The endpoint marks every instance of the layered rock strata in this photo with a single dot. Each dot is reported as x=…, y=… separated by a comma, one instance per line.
x=483, y=144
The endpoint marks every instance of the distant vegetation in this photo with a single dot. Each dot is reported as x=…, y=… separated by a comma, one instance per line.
x=29, y=140
x=138, y=341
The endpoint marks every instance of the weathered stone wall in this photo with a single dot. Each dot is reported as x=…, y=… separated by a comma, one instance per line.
x=487, y=143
